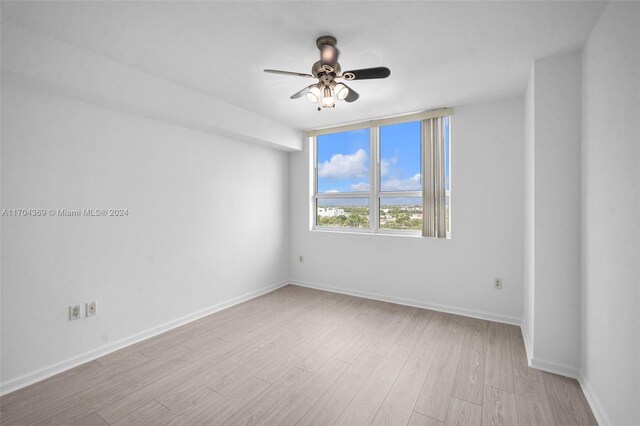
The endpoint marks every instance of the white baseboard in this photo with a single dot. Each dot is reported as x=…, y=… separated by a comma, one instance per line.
x=549, y=367
x=411, y=302
x=572, y=372
x=596, y=407
x=552, y=367
x=59, y=367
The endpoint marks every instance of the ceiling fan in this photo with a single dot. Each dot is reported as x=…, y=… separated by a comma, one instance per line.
x=327, y=70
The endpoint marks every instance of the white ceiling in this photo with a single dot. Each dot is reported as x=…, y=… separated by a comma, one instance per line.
x=440, y=53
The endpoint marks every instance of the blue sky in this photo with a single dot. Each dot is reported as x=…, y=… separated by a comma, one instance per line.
x=343, y=159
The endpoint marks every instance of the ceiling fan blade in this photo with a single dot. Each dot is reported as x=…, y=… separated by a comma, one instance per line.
x=297, y=74
x=367, y=73
x=301, y=93
x=352, y=96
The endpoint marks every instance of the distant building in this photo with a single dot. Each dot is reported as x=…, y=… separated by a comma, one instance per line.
x=331, y=212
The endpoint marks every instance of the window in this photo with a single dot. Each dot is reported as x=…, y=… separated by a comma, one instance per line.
x=371, y=178
x=343, y=179
x=400, y=171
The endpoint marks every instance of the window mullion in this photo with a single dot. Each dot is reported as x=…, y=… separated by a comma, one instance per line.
x=314, y=213
x=399, y=194
x=342, y=195
x=374, y=210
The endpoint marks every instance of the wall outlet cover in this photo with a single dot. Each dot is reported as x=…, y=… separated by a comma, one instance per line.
x=74, y=312
x=91, y=309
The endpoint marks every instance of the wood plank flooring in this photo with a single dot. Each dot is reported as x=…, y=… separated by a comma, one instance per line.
x=303, y=356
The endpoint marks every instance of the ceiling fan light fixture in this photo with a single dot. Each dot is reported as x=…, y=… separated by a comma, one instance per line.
x=327, y=99
x=341, y=91
x=314, y=93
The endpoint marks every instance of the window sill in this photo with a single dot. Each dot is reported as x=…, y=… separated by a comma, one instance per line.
x=410, y=234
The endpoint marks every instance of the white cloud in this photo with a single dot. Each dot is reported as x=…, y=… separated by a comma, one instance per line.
x=333, y=190
x=385, y=163
x=360, y=186
x=343, y=166
x=393, y=184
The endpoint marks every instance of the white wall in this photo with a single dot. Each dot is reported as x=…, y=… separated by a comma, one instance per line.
x=458, y=274
x=529, y=214
x=208, y=222
x=553, y=227
x=611, y=215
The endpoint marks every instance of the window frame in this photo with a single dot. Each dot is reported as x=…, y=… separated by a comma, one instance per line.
x=332, y=195
x=374, y=194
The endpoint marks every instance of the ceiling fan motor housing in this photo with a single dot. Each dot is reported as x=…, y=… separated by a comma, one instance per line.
x=325, y=73
x=328, y=51
x=330, y=40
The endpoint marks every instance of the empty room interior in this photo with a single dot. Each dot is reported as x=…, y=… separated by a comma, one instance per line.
x=331, y=213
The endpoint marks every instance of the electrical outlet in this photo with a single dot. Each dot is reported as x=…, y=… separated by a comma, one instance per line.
x=497, y=284
x=301, y=259
x=74, y=312
x=91, y=308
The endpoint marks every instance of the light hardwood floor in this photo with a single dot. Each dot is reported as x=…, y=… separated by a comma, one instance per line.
x=302, y=356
